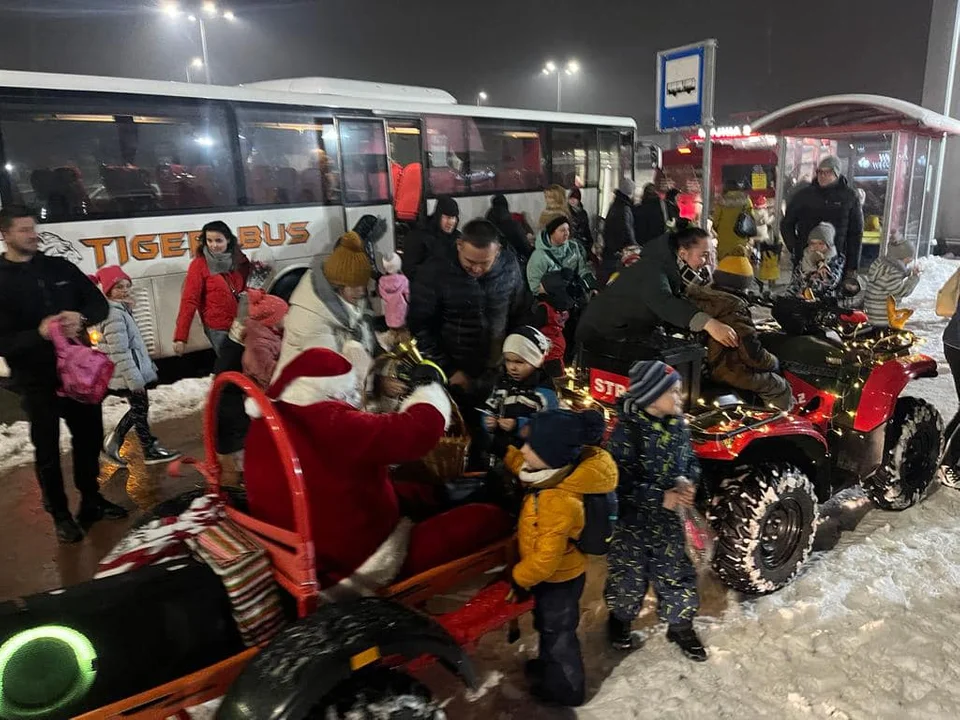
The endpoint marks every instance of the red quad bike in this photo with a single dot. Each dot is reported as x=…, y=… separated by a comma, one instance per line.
x=152, y=642
x=765, y=471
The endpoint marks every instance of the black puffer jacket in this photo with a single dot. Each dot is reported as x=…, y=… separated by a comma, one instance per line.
x=644, y=296
x=618, y=231
x=460, y=321
x=425, y=242
x=29, y=292
x=512, y=232
x=836, y=204
x=580, y=225
x=648, y=221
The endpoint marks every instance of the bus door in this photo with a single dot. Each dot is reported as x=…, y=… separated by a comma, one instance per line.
x=365, y=176
x=405, y=153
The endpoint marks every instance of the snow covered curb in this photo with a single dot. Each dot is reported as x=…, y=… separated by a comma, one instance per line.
x=167, y=402
x=866, y=631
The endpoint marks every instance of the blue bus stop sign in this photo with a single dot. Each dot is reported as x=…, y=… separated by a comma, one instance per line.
x=685, y=86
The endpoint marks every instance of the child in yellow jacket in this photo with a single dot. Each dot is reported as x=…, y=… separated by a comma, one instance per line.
x=557, y=466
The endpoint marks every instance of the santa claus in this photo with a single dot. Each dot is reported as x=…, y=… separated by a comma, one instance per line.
x=361, y=541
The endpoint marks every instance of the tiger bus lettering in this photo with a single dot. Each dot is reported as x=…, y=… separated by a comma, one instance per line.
x=177, y=244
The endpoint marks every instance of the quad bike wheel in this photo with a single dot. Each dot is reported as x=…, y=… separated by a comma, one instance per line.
x=911, y=455
x=766, y=521
x=380, y=694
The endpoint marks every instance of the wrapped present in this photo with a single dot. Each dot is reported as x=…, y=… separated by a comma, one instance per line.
x=247, y=575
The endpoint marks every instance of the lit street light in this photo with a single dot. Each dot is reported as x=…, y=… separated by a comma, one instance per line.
x=172, y=9
x=571, y=68
x=481, y=97
x=196, y=63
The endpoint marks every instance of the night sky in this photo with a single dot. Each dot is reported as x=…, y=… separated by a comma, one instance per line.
x=770, y=53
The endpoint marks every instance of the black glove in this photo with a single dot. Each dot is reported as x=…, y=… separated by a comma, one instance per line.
x=426, y=373
x=518, y=594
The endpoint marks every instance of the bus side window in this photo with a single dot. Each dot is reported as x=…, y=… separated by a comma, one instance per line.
x=289, y=157
x=97, y=158
x=505, y=157
x=574, y=152
x=365, y=172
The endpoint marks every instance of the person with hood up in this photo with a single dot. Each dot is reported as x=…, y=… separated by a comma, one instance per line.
x=649, y=216
x=215, y=279
x=749, y=366
x=394, y=290
x=732, y=205
x=618, y=230
x=821, y=267
x=134, y=371
x=829, y=199
x=580, y=222
x=329, y=309
x=550, y=314
x=555, y=253
x=511, y=231
x=556, y=204
x=650, y=293
x=890, y=276
x=654, y=455
x=559, y=464
x=437, y=234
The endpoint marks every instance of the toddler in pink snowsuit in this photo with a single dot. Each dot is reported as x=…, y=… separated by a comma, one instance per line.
x=394, y=288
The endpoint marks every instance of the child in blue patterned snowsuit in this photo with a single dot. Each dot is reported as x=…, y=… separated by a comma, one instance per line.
x=652, y=448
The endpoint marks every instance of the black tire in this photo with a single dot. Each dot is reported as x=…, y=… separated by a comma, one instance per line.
x=380, y=694
x=766, y=521
x=284, y=285
x=911, y=455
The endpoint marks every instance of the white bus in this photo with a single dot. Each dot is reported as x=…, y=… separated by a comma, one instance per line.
x=127, y=171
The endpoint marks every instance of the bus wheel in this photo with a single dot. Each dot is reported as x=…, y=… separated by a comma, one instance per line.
x=284, y=285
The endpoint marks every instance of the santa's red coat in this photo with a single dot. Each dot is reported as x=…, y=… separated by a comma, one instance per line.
x=344, y=454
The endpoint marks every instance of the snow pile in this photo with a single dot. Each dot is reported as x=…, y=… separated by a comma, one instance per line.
x=866, y=631
x=167, y=402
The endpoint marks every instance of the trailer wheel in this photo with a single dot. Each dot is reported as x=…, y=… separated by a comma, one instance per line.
x=766, y=522
x=380, y=694
x=911, y=455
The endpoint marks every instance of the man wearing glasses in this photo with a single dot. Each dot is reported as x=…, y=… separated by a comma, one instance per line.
x=828, y=199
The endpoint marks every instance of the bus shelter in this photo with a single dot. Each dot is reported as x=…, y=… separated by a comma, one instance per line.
x=890, y=149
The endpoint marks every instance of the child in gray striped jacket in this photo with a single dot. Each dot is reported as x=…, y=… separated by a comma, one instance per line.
x=893, y=275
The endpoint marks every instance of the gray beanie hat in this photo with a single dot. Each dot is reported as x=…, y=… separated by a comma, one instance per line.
x=826, y=232
x=628, y=187
x=649, y=379
x=831, y=163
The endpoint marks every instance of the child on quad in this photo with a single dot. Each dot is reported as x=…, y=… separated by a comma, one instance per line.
x=652, y=449
x=522, y=390
x=821, y=267
x=749, y=366
x=557, y=466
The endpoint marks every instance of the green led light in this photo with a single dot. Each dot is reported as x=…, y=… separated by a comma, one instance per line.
x=50, y=644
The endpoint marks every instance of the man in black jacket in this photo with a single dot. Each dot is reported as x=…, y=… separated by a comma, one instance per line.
x=36, y=290
x=828, y=199
x=618, y=231
x=434, y=236
x=462, y=306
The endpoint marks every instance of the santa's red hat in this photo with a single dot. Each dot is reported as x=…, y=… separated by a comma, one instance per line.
x=313, y=376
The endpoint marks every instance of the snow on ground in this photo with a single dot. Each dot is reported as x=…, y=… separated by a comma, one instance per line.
x=167, y=402
x=868, y=630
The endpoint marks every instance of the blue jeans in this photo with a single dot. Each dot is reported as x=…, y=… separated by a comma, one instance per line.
x=217, y=338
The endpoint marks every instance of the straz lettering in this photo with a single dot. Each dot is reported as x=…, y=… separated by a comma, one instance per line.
x=607, y=387
x=178, y=244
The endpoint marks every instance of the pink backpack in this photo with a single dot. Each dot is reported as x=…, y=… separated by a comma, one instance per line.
x=84, y=372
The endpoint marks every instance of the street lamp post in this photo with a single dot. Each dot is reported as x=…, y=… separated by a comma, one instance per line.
x=572, y=68
x=195, y=63
x=481, y=97
x=208, y=9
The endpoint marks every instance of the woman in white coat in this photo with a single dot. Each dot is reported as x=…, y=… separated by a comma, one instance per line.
x=329, y=309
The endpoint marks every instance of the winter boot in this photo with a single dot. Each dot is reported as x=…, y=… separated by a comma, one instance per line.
x=156, y=454
x=94, y=508
x=620, y=634
x=686, y=638
x=111, y=449
x=68, y=532
x=949, y=477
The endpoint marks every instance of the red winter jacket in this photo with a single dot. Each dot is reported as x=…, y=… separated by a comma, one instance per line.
x=551, y=323
x=215, y=296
